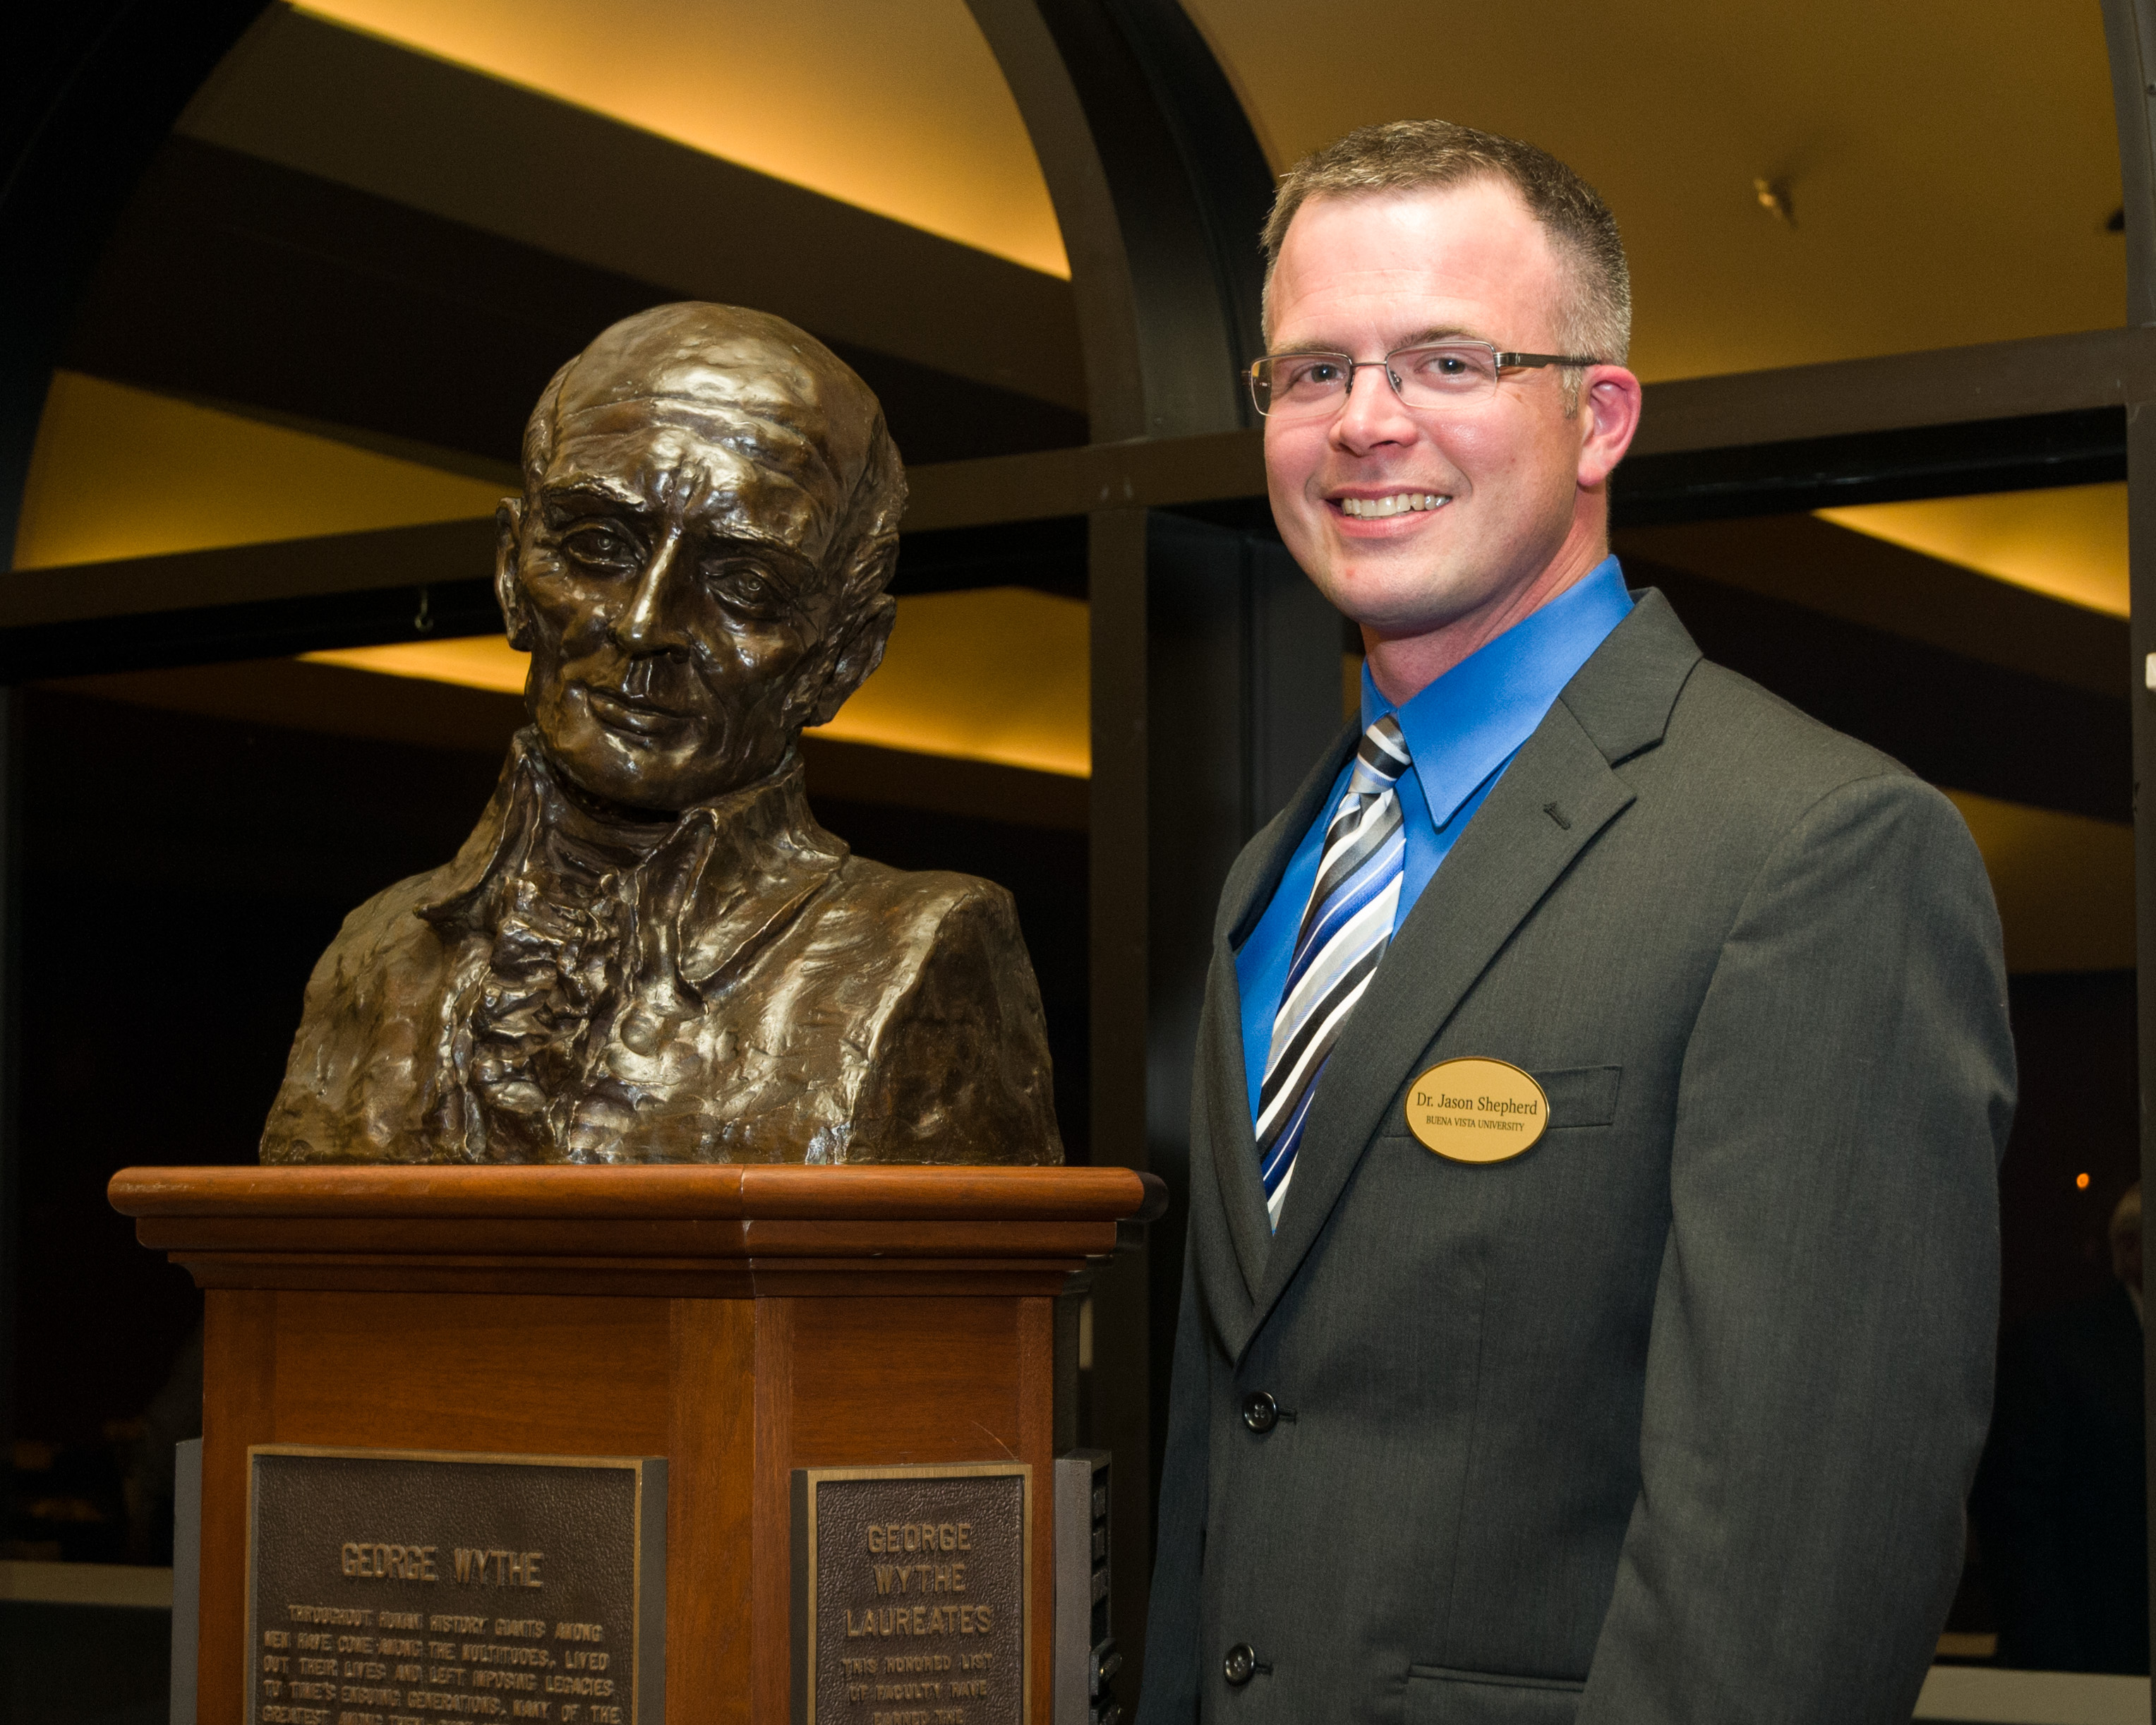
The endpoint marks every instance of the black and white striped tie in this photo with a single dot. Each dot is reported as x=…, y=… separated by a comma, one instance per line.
x=1344, y=933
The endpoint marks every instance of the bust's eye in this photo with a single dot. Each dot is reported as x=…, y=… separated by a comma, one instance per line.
x=749, y=590
x=600, y=544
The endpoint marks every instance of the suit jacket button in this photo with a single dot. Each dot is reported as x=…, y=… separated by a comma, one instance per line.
x=1242, y=1660
x=1260, y=1413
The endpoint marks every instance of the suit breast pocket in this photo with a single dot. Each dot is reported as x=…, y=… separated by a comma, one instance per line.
x=1581, y=1095
x=1438, y=1696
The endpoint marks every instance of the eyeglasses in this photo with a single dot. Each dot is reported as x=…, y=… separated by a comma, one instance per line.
x=1442, y=374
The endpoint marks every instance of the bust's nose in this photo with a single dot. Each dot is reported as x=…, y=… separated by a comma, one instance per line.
x=650, y=623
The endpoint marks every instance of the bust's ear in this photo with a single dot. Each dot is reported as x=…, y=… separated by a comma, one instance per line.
x=508, y=551
x=858, y=654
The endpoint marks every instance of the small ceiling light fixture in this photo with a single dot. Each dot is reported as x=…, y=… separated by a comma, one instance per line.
x=2081, y=1181
x=2115, y=223
x=1774, y=196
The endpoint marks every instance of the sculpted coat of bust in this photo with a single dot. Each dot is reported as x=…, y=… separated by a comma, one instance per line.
x=648, y=951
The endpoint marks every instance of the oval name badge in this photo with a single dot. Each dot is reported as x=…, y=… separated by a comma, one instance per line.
x=1476, y=1110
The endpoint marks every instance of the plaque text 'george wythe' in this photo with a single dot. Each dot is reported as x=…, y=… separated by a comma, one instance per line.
x=466, y=1615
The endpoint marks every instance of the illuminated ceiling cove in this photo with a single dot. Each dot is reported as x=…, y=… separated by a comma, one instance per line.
x=198, y=478
x=1949, y=166
x=2070, y=543
x=896, y=109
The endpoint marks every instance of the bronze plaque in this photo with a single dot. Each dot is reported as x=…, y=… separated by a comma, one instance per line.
x=403, y=1587
x=909, y=1594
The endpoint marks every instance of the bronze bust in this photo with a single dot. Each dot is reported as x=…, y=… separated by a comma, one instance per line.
x=648, y=951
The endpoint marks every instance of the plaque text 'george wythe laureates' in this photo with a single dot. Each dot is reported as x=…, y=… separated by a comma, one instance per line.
x=911, y=1594
x=514, y=1588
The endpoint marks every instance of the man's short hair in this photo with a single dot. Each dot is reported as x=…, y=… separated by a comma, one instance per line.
x=1595, y=319
x=862, y=554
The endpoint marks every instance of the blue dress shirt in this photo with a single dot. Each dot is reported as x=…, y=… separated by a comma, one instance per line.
x=1462, y=732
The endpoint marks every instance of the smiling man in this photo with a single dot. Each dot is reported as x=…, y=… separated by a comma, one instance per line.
x=648, y=951
x=1592, y=1271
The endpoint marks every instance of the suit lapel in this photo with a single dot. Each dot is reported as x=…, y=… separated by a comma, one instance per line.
x=1556, y=798
x=1222, y=1099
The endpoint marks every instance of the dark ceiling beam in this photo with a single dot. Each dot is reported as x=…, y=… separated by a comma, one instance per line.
x=2042, y=410
x=393, y=584
x=1020, y=520
x=1145, y=472
x=445, y=558
x=2086, y=446
x=260, y=629
x=363, y=588
x=2022, y=379
x=402, y=558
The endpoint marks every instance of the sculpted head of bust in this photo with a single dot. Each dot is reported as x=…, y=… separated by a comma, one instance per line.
x=697, y=563
x=648, y=950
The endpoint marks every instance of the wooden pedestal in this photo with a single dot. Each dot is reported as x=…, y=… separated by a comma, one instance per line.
x=739, y=1322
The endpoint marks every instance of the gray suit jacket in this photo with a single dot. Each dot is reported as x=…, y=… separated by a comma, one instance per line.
x=1671, y=1418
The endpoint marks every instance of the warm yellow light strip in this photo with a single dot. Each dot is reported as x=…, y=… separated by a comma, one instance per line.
x=2068, y=542
x=900, y=109
x=997, y=675
x=196, y=478
x=485, y=662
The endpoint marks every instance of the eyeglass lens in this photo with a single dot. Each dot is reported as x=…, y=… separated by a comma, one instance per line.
x=1450, y=374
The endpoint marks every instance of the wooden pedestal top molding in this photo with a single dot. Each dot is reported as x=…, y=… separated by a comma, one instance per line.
x=706, y=1231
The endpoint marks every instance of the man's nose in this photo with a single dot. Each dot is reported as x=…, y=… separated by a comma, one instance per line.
x=650, y=622
x=1374, y=414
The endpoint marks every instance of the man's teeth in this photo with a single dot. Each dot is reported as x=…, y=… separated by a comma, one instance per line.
x=1399, y=503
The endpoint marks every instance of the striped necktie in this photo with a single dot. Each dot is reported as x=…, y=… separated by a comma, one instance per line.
x=1343, y=935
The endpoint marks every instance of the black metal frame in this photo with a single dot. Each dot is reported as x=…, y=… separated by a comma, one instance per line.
x=2130, y=34
x=2082, y=446
x=1160, y=188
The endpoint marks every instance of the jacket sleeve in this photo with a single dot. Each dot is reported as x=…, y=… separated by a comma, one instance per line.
x=1171, y=1652
x=1819, y=1374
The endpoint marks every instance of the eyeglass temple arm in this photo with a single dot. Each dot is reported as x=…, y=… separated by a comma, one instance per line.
x=1508, y=360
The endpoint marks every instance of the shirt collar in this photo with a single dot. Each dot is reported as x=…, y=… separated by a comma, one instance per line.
x=1468, y=723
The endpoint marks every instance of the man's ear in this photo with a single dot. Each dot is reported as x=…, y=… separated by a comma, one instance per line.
x=1610, y=409
x=858, y=654
x=508, y=551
